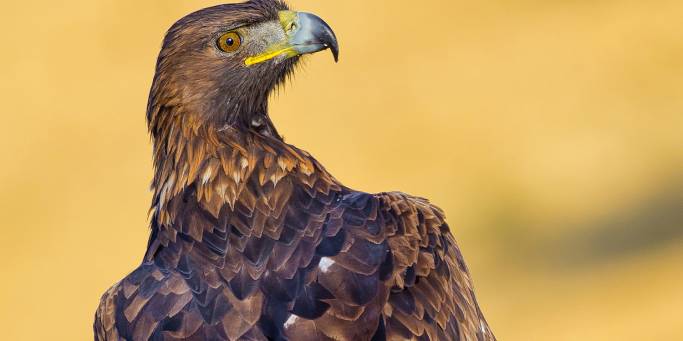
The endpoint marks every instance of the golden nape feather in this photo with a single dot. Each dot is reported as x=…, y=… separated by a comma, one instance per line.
x=252, y=239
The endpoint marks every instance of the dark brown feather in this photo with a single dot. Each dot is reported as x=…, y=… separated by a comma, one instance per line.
x=252, y=239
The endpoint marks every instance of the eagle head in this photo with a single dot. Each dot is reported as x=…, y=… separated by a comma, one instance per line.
x=218, y=65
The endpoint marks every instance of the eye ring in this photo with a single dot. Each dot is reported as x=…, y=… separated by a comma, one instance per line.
x=229, y=42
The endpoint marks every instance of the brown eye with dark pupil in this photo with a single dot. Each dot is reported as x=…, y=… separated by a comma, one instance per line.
x=229, y=42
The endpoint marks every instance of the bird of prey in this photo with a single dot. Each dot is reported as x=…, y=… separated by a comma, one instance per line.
x=251, y=238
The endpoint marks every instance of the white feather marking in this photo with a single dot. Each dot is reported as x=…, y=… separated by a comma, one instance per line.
x=207, y=175
x=325, y=264
x=291, y=320
x=165, y=191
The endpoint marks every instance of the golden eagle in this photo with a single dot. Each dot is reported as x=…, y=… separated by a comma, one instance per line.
x=252, y=239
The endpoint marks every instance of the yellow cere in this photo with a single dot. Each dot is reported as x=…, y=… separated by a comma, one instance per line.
x=287, y=19
x=271, y=53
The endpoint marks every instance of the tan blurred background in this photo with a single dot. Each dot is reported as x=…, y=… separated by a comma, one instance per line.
x=551, y=132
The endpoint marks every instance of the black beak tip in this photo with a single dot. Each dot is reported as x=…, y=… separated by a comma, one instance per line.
x=320, y=32
x=335, y=52
x=329, y=39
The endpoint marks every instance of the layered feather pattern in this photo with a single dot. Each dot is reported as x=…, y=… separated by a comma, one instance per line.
x=252, y=239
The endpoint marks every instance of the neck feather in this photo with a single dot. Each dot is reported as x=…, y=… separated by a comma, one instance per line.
x=208, y=180
x=216, y=162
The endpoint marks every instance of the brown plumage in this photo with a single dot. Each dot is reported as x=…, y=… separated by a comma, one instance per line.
x=252, y=239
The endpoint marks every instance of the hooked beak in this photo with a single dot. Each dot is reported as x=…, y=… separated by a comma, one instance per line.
x=305, y=33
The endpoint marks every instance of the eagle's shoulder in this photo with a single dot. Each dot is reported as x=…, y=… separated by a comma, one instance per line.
x=147, y=301
x=431, y=288
x=105, y=325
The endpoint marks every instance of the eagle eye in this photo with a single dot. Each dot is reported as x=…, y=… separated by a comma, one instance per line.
x=229, y=42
